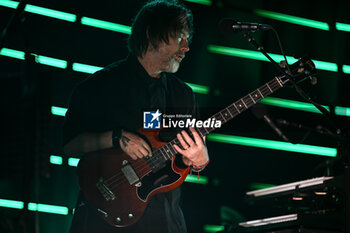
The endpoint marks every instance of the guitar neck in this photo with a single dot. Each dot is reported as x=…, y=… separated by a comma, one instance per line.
x=167, y=151
x=243, y=104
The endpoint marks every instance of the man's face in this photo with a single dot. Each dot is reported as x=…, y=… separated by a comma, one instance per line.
x=169, y=56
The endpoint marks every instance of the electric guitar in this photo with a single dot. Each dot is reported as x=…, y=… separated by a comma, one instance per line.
x=119, y=188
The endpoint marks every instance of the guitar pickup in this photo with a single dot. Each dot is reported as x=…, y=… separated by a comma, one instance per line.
x=130, y=174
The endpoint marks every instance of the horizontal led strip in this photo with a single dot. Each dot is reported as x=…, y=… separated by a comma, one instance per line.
x=202, y=2
x=292, y=19
x=53, y=209
x=250, y=54
x=346, y=69
x=274, y=145
x=213, y=228
x=302, y=106
x=41, y=11
x=342, y=27
x=341, y=111
x=73, y=162
x=11, y=204
x=291, y=104
x=44, y=60
x=106, y=25
x=58, y=111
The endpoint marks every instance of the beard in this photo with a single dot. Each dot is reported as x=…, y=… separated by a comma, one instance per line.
x=173, y=65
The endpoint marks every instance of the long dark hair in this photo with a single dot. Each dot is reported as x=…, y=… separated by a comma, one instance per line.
x=155, y=22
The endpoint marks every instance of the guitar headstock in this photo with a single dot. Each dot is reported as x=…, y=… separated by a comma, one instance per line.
x=299, y=70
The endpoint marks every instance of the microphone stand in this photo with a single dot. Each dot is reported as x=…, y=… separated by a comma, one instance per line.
x=344, y=142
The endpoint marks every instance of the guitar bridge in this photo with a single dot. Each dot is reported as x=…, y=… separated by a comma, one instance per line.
x=104, y=190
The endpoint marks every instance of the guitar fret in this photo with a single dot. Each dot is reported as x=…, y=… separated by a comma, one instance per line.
x=261, y=94
x=171, y=148
x=162, y=152
x=279, y=82
x=223, y=117
x=257, y=96
x=267, y=84
x=274, y=83
x=236, y=108
x=248, y=101
x=229, y=112
x=168, y=150
x=233, y=110
x=267, y=90
x=244, y=103
x=252, y=98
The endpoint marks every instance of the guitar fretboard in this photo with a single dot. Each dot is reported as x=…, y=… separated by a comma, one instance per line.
x=167, y=151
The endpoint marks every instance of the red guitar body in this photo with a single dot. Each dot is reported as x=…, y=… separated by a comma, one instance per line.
x=119, y=187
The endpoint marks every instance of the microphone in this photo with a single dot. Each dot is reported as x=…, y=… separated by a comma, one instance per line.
x=229, y=26
x=259, y=111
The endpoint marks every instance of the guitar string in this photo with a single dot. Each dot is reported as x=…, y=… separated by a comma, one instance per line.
x=249, y=102
x=154, y=160
x=157, y=153
x=246, y=100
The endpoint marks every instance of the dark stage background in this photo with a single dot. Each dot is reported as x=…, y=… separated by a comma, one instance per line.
x=31, y=131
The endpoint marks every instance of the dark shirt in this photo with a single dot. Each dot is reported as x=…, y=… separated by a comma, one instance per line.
x=116, y=97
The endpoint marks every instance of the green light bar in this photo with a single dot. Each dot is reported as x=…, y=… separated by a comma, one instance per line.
x=249, y=54
x=292, y=104
x=203, y=2
x=12, y=53
x=256, y=186
x=51, y=13
x=213, y=228
x=53, y=209
x=51, y=61
x=342, y=27
x=342, y=111
x=199, y=88
x=106, y=25
x=346, y=69
x=275, y=145
x=11, y=204
x=41, y=11
x=58, y=111
x=292, y=19
x=197, y=180
x=73, y=162
x=10, y=4
x=58, y=160
x=85, y=68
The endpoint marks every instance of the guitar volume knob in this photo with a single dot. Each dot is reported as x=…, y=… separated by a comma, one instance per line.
x=131, y=216
x=118, y=219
